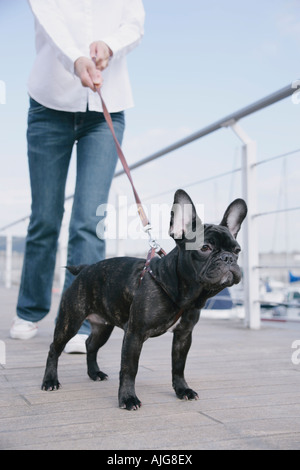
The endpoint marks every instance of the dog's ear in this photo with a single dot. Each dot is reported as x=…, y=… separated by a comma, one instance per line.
x=185, y=223
x=234, y=216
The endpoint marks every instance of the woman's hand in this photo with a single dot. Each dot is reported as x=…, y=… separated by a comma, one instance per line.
x=88, y=73
x=101, y=54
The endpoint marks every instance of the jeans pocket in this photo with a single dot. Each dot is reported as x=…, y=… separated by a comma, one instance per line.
x=35, y=107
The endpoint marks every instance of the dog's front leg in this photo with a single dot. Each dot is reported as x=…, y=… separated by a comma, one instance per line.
x=131, y=350
x=182, y=341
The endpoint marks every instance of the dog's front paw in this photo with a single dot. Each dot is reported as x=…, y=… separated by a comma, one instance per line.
x=98, y=375
x=187, y=394
x=50, y=384
x=130, y=403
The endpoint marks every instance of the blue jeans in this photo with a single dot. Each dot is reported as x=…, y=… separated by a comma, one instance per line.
x=51, y=136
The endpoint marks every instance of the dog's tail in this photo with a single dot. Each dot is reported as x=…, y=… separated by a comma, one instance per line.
x=76, y=269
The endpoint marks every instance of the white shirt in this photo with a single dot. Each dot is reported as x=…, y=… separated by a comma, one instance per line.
x=64, y=31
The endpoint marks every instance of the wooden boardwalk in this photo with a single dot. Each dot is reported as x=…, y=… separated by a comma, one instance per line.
x=248, y=386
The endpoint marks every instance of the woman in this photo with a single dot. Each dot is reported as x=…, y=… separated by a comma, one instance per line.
x=80, y=45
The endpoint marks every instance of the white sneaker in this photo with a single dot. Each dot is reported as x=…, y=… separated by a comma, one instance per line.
x=76, y=345
x=23, y=329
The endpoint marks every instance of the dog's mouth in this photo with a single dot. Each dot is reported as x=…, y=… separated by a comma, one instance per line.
x=230, y=278
x=222, y=276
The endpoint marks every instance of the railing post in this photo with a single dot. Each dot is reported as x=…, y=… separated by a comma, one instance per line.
x=250, y=242
x=8, y=261
x=120, y=206
x=63, y=247
x=120, y=248
x=250, y=245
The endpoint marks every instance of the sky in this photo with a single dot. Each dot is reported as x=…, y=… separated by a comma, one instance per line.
x=198, y=62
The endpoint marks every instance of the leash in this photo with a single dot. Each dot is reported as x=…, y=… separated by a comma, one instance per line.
x=154, y=246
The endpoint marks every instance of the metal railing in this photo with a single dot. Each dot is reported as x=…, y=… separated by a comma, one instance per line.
x=249, y=187
x=221, y=123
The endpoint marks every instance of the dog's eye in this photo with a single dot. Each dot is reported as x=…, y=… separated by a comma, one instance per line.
x=237, y=250
x=206, y=248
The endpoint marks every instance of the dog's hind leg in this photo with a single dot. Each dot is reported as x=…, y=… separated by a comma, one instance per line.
x=68, y=323
x=99, y=336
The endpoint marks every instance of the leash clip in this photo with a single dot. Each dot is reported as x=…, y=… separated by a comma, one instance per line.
x=153, y=243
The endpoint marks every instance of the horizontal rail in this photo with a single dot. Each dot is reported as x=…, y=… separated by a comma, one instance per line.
x=12, y=224
x=194, y=183
x=280, y=320
x=266, y=266
x=277, y=211
x=231, y=172
x=271, y=159
x=226, y=121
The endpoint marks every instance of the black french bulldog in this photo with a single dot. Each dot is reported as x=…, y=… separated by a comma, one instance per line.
x=110, y=293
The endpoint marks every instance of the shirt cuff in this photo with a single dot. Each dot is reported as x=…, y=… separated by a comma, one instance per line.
x=113, y=44
x=69, y=58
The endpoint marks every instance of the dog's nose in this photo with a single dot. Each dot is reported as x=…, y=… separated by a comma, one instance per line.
x=227, y=258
